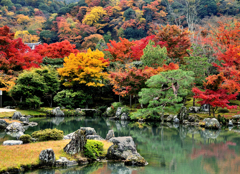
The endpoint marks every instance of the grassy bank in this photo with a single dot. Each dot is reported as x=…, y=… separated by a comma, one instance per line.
x=23, y=112
x=28, y=154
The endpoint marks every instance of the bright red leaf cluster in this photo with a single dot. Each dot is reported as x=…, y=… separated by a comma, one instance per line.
x=56, y=50
x=14, y=54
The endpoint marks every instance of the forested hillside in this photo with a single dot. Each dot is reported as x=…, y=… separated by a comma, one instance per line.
x=85, y=22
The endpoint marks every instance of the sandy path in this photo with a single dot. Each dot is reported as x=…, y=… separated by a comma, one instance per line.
x=6, y=110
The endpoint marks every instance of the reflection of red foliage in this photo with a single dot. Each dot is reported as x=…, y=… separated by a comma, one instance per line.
x=220, y=151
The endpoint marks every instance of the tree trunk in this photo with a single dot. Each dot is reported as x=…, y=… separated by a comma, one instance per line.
x=131, y=102
x=135, y=102
x=209, y=110
x=119, y=98
x=193, y=101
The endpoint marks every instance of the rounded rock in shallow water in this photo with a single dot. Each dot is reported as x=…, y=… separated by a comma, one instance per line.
x=15, y=127
x=3, y=124
x=12, y=142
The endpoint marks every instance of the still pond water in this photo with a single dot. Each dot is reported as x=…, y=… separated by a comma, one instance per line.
x=168, y=149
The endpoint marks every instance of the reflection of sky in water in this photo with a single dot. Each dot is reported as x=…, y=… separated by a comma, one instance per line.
x=168, y=149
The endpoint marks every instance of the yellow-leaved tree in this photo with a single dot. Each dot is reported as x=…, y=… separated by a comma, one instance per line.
x=84, y=68
x=94, y=16
x=6, y=81
x=26, y=36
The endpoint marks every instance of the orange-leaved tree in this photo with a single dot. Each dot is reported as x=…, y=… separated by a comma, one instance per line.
x=121, y=51
x=131, y=80
x=175, y=39
x=84, y=68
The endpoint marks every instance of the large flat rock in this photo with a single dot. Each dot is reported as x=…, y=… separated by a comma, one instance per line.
x=12, y=142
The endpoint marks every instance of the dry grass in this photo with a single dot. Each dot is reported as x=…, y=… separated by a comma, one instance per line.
x=28, y=154
x=106, y=145
x=11, y=121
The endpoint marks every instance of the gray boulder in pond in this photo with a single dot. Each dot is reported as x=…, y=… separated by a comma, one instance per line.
x=16, y=116
x=89, y=130
x=32, y=124
x=175, y=119
x=110, y=135
x=230, y=123
x=211, y=123
x=15, y=127
x=24, y=119
x=77, y=142
x=124, y=148
x=47, y=156
x=12, y=142
x=125, y=116
x=3, y=124
x=135, y=160
x=118, y=112
x=57, y=112
x=94, y=137
x=65, y=162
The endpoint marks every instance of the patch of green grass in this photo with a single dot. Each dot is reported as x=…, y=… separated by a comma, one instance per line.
x=23, y=112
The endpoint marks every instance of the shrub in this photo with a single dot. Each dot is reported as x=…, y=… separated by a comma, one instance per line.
x=125, y=109
x=25, y=138
x=48, y=134
x=114, y=107
x=222, y=110
x=70, y=99
x=93, y=149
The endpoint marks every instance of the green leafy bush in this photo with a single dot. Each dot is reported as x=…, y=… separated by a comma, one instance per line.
x=25, y=138
x=48, y=134
x=93, y=149
x=70, y=99
x=222, y=119
x=125, y=109
x=114, y=107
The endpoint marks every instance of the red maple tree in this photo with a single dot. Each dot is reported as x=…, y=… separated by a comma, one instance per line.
x=56, y=50
x=14, y=54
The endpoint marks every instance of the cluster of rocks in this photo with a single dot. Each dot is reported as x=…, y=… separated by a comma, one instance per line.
x=119, y=115
x=57, y=112
x=16, y=129
x=47, y=157
x=123, y=148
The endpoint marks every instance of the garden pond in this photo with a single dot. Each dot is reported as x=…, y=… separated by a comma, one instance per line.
x=167, y=148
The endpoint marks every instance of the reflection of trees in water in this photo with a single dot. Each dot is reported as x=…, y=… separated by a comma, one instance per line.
x=218, y=158
x=166, y=148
